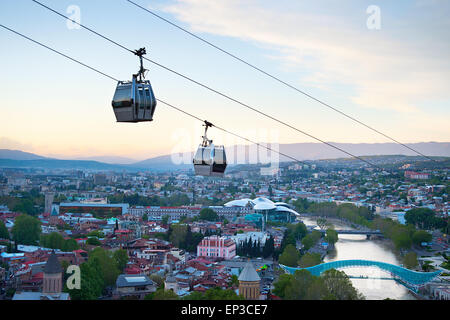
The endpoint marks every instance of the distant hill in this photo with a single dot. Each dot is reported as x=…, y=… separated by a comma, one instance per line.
x=312, y=151
x=316, y=151
x=235, y=155
x=109, y=159
x=64, y=164
x=165, y=162
x=19, y=155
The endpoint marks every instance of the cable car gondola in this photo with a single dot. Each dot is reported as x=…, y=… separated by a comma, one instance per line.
x=134, y=101
x=209, y=160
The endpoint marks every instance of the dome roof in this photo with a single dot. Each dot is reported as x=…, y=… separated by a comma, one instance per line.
x=285, y=209
x=53, y=265
x=238, y=203
x=263, y=204
x=261, y=199
x=284, y=204
x=249, y=273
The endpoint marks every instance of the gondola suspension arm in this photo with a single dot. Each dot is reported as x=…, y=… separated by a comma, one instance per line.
x=206, y=142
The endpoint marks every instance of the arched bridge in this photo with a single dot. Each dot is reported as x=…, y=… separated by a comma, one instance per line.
x=409, y=277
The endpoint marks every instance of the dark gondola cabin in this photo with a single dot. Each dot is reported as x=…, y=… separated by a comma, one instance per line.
x=209, y=160
x=134, y=101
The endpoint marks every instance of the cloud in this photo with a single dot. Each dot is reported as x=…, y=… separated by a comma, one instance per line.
x=388, y=69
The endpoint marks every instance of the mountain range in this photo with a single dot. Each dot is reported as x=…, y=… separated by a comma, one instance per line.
x=300, y=151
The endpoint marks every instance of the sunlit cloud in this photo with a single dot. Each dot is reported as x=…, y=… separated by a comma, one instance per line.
x=385, y=72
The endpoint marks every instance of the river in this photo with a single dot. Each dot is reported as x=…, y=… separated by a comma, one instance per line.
x=358, y=247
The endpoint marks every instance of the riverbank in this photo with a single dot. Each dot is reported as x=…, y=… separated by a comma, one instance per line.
x=350, y=247
x=340, y=224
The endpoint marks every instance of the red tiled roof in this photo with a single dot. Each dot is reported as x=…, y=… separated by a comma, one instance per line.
x=123, y=231
x=132, y=270
x=201, y=260
x=200, y=289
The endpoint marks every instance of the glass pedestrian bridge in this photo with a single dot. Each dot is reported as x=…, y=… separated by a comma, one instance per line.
x=408, y=277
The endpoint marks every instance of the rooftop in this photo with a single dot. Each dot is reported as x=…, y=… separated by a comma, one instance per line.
x=127, y=280
x=53, y=265
x=249, y=273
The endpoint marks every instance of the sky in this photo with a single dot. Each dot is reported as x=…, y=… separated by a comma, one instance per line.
x=392, y=73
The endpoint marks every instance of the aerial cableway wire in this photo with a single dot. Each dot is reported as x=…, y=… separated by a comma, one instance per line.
x=159, y=100
x=210, y=89
x=279, y=80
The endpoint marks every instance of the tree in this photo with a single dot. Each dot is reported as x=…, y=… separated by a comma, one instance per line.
x=70, y=245
x=162, y=294
x=311, y=239
x=290, y=256
x=178, y=235
x=192, y=240
x=309, y=260
x=301, y=205
x=256, y=249
x=299, y=230
x=322, y=223
x=299, y=285
x=145, y=217
x=318, y=291
x=4, y=234
x=423, y=218
x=121, y=258
x=234, y=280
x=331, y=236
x=288, y=238
x=165, y=220
x=157, y=279
x=92, y=282
x=107, y=263
x=421, y=236
x=54, y=240
x=269, y=247
x=280, y=286
x=340, y=286
x=26, y=230
x=410, y=260
x=270, y=191
x=215, y=293
x=25, y=206
x=401, y=239
x=96, y=233
x=208, y=214
x=93, y=241
x=324, y=209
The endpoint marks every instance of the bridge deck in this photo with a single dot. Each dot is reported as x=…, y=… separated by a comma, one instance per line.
x=369, y=232
x=410, y=277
